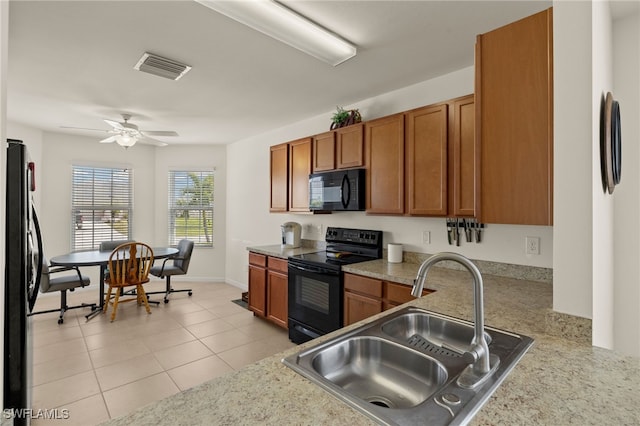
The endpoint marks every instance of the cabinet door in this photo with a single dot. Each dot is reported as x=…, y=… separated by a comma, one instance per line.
x=324, y=152
x=349, y=147
x=277, y=289
x=426, y=160
x=384, y=152
x=357, y=307
x=279, y=178
x=463, y=175
x=257, y=290
x=514, y=122
x=299, y=170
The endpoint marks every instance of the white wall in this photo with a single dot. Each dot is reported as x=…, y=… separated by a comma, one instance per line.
x=55, y=154
x=248, y=195
x=626, y=90
x=206, y=263
x=603, y=224
x=573, y=217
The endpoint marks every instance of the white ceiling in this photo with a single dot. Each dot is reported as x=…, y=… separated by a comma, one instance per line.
x=71, y=62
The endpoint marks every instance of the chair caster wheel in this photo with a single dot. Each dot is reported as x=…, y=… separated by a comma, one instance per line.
x=166, y=300
x=60, y=320
x=190, y=293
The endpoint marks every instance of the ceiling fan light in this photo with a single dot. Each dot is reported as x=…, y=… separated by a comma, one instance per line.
x=125, y=140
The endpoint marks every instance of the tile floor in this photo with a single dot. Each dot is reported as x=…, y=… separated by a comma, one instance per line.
x=98, y=370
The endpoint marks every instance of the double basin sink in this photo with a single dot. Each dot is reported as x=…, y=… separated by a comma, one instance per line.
x=409, y=367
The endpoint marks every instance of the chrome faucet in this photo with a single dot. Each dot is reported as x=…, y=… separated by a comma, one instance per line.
x=478, y=354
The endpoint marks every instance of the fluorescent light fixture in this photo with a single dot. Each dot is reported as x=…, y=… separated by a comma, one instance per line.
x=277, y=21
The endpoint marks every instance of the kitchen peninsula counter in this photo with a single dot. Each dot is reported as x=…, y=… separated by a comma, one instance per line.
x=562, y=379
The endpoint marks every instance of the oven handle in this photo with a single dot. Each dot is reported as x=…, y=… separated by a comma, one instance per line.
x=313, y=269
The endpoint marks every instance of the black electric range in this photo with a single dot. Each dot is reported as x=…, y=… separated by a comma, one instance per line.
x=316, y=281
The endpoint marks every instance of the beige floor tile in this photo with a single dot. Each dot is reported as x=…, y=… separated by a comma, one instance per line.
x=241, y=356
x=128, y=371
x=58, y=350
x=227, y=309
x=261, y=329
x=127, y=398
x=158, y=341
x=208, y=328
x=200, y=371
x=60, y=368
x=226, y=340
x=181, y=354
x=191, y=318
x=61, y=334
x=65, y=391
x=99, y=369
x=117, y=352
x=85, y=412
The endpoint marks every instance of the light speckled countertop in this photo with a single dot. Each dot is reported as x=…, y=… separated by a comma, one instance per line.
x=560, y=381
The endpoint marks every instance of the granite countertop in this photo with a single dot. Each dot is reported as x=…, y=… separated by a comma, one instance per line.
x=562, y=379
x=277, y=250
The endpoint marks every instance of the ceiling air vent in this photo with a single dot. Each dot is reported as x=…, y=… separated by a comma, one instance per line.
x=163, y=67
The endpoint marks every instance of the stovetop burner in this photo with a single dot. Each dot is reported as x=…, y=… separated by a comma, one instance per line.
x=345, y=246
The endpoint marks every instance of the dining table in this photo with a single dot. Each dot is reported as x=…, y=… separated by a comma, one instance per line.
x=101, y=258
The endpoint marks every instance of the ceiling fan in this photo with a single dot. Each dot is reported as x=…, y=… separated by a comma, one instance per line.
x=127, y=134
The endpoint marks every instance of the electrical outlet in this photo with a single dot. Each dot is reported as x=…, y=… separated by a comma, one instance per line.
x=426, y=237
x=532, y=245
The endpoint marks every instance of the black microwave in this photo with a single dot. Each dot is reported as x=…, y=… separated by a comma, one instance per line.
x=340, y=190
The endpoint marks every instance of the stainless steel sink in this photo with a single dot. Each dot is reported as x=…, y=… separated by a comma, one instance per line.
x=439, y=332
x=379, y=371
x=404, y=368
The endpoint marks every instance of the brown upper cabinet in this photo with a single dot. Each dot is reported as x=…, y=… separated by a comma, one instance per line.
x=338, y=149
x=324, y=152
x=384, y=152
x=462, y=153
x=299, y=170
x=514, y=122
x=290, y=169
x=279, y=170
x=350, y=147
x=426, y=135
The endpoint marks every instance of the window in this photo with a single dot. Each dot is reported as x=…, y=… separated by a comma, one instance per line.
x=191, y=207
x=101, y=206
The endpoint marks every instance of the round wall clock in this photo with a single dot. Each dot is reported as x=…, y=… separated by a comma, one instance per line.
x=610, y=143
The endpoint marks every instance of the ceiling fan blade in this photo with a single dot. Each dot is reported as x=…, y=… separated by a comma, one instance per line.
x=114, y=124
x=159, y=132
x=84, y=128
x=151, y=141
x=108, y=140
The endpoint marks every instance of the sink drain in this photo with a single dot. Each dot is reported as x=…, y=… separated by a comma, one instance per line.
x=380, y=402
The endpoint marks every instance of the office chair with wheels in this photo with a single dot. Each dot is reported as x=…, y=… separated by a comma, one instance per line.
x=129, y=266
x=179, y=266
x=62, y=284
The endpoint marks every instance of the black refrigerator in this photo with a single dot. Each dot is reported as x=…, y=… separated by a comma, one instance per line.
x=23, y=248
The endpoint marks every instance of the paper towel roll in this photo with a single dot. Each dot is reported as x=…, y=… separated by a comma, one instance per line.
x=394, y=253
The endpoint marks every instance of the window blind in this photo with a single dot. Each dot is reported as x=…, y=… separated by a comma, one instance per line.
x=191, y=207
x=101, y=206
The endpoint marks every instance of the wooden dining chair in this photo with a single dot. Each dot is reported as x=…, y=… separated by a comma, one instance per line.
x=129, y=266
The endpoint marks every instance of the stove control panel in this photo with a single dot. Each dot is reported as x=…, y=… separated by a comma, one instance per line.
x=354, y=236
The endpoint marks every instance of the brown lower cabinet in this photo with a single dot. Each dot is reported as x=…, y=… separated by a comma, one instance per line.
x=268, y=288
x=365, y=297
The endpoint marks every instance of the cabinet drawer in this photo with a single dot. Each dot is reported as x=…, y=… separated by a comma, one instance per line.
x=257, y=259
x=363, y=285
x=277, y=264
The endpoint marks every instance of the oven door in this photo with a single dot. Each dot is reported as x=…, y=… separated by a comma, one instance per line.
x=315, y=301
